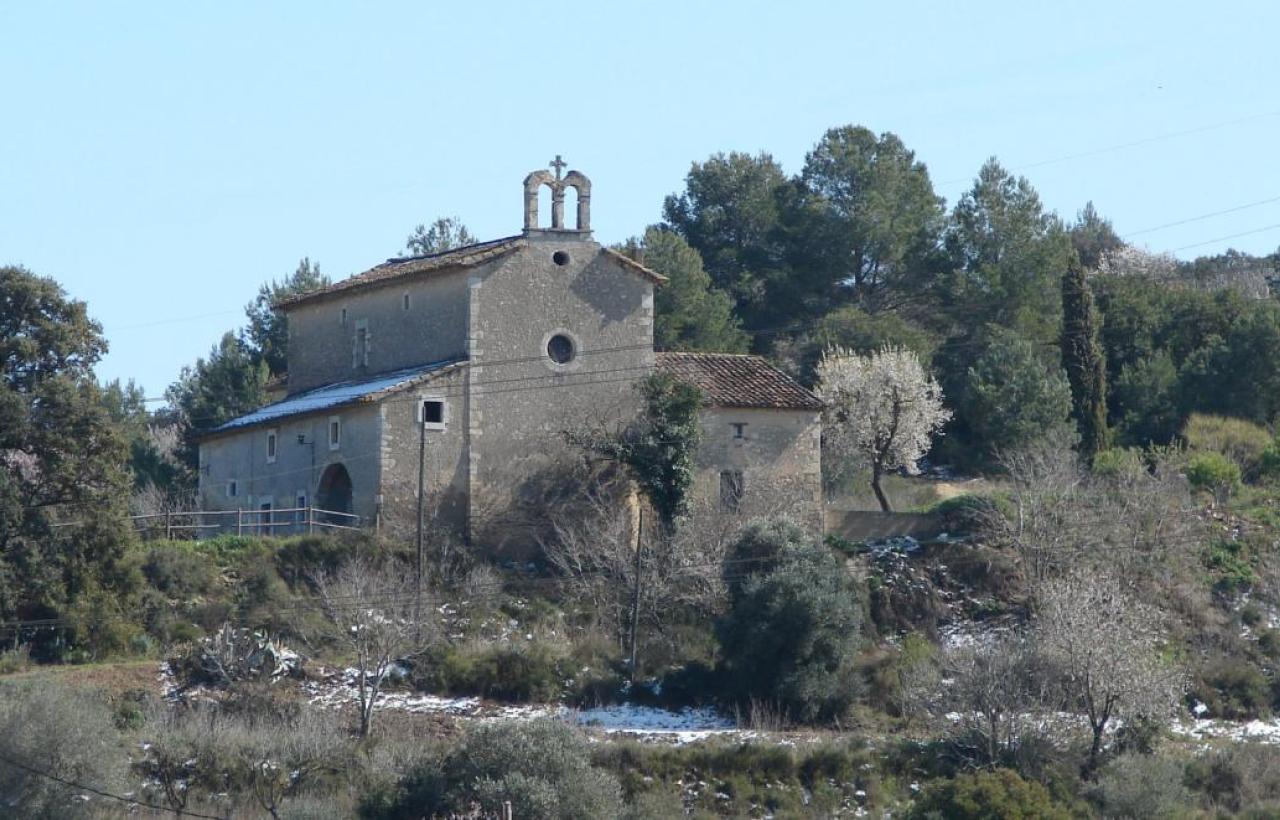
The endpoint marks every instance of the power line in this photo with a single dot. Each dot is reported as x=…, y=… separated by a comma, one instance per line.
x=1263, y=229
x=1124, y=145
x=101, y=793
x=1188, y=220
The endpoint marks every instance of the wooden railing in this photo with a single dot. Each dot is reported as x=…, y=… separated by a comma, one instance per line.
x=283, y=521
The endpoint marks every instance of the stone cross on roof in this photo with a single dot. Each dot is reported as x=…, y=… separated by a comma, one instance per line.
x=559, y=165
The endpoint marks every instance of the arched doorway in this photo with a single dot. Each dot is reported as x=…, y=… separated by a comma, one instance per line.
x=334, y=494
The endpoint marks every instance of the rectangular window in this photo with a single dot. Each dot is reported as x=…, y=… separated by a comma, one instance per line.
x=431, y=414
x=731, y=490
x=739, y=429
x=360, y=345
x=300, y=502
x=335, y=433
x=342, y=316
x=271, y=446
x=233, y=489
x=406, y=301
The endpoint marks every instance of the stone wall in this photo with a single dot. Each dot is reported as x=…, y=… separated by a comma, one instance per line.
x=446, y=460
x=432, y=329
x=779, y=457
x=521, y=402
x=242, y=456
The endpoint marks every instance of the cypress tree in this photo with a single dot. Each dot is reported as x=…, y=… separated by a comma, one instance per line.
x=1082, y=358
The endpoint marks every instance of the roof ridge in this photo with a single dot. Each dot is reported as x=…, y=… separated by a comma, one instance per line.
x=458, y=250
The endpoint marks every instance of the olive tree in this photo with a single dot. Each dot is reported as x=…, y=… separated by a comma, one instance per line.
x=883, y=408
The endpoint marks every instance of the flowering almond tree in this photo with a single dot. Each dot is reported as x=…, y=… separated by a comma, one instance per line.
x=882, y=409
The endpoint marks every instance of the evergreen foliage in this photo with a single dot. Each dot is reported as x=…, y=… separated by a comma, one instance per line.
x=62, y=457
x=445, y=234
x=267, y=332
x=690, y=314
x=792, y=629
x=1010, y=395
x=1083, y=361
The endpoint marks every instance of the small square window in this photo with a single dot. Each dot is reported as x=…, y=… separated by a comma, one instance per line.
x=731, y=490
x=739, y=429
x=431, y=413
x=233, y=489
x=335, y=433
x=271, y=446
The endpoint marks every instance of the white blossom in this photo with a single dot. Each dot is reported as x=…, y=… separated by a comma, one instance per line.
x=883, y=409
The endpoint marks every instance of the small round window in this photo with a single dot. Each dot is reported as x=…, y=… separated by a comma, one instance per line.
x=560, y=349
x=560, y=258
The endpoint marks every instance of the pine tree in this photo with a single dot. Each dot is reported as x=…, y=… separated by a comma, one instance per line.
x=1082, y=358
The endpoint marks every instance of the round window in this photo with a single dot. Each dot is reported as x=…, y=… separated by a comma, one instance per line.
x=560, y=258
x=560, y=349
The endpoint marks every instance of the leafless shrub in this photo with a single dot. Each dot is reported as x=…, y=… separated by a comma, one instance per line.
x=193, y=754
x=994, y=692
x=1047, y=488
x=373, y=610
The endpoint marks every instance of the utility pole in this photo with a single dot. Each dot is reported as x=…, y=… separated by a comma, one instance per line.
x=635, y=590
x=422, y=480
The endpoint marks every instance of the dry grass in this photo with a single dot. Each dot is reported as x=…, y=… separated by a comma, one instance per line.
x=111, y=678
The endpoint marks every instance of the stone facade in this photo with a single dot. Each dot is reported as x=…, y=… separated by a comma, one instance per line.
x=511, y=343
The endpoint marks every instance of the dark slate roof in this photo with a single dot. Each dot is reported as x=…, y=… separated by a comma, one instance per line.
x=339, y=394
x=730, y=380
x=465, y=257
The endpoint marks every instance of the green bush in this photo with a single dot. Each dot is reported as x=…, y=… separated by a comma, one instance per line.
x=1233, y=688
x=1118, y=463
x=993, y=795
x=792, y=631
x=1229, y=561
x=1269, y=461
x=176, y=570
x=1140, y=786
x=511, y=672
x=1241, y=777
x=55, y=729
x=1243, y=442
x=542, y=767
x=1213, y=472
x=965, y=514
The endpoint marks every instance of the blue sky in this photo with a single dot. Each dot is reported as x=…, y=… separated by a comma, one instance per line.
x=163, y=160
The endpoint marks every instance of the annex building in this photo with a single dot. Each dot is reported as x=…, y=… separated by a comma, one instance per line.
x=478, y=360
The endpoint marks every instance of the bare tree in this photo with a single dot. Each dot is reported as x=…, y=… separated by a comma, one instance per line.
x=374, y=610
x=1101, y=644
x=994, y=696
x=883, y=409
x=1050, y=507
x=591, y=543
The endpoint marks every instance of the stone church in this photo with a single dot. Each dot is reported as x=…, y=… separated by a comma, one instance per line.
x=470, y=364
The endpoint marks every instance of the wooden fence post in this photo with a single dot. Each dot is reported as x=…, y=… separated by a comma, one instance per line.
x=168, y=525
x=311, y=518
x=239, y=521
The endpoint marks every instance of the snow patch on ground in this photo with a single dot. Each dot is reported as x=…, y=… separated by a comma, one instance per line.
x=1259, y=731
x=340, y=689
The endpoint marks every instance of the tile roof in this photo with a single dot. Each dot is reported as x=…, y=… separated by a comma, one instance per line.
x=731, y=380
x=464, y=257
x=339, y=394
